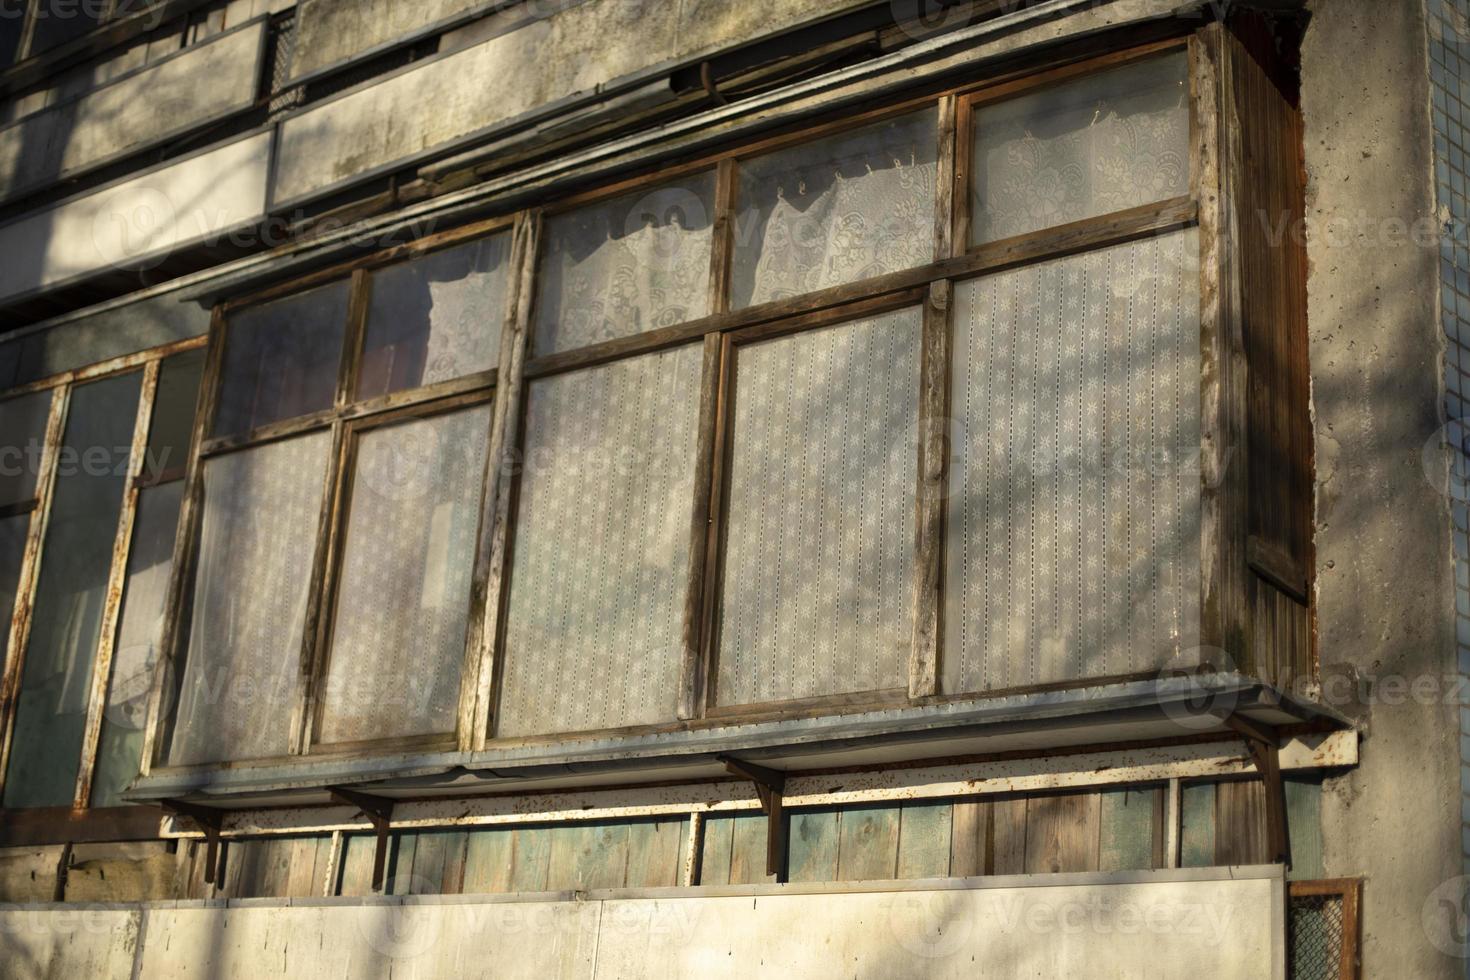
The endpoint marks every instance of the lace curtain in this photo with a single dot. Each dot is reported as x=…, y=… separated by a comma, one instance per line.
x=600, y=567
x=820, y=527
x=1074, y=512
x=631, y=264
x=836, y=210
x=403, y=603
x=1101, y=144
x=261, y=510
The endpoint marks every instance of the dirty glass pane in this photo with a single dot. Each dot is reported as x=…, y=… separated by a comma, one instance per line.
x=91, y=476
x=836, y=210
x=625, y=266
x=820, y=528
x=13, y=531
x=173, y=413
x=595, y=621
x=140, y=628
x=435, y=318
x=403, y=603
x=281, y=359
x=22, y=437
x=1097, y=145
x=1074, y=503
x=261, y=508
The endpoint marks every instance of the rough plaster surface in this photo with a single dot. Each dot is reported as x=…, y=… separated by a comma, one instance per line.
x=1383, y=528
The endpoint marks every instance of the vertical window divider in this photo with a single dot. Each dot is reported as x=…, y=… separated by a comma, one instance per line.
x=186, y=544
x=715, y=536
x=1215, y=150
x=930, y=492
x=963, y=123
x=695, y=665
x=116, y=581
x=479, y=690
x=320, y=596
x=20, y=623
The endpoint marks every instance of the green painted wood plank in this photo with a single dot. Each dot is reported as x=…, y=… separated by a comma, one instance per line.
x=1126, y=838
x=654, y=853
x=1304, y=828
x=867, y=843
x=489, y=854
x=714, y=860
x=398, y=877
x=588, y=855
x=924, y=833
x=531, y=859
x=1197, y=825
x=426, y=875
x=356, y=877
x=748, y=850
x=813, y=844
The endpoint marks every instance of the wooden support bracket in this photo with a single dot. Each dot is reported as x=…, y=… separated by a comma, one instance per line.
x=209, y=820
x=1263, y=744
x=379, y=811
x=770, y=784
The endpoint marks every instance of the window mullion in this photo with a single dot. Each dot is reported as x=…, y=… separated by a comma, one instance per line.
x=20, y=624
x=117, y=576
x=704, y=527
x=933, y=450
x=482, y=644
x=186, y=546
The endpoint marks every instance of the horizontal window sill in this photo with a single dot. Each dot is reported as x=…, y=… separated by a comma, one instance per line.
x=1172, y=709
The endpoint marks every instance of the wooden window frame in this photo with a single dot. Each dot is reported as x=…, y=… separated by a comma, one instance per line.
x=60, y=386
x=1217, y=61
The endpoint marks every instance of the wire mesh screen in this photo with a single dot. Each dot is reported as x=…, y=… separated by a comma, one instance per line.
x=1316, y=937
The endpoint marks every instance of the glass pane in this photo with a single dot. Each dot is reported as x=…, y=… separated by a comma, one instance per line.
x=13, y=531
x=602, y=547
x=404, y=598
x=22, y=437
x=1100, y=144
x=172, y=425
x=1074, y=521
x=261, y=512
x=836, y=210
x=820, y=527
x=57, y=23
x=12, y=23
x=435, y=318
x=281, y=359
x=625, y=266
x=140, y=628
x=91, y=476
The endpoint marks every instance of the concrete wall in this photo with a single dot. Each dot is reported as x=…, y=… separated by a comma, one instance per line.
x=1384, y=571
x=1217, y=923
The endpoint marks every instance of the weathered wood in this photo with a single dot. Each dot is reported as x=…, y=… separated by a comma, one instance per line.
x=485, y=629
x=1241, y=833
x=814, y=845
x=750, y=846
x=924, y=839
x=691, y=844
x=531, y=859
x=489, y=858
x=654, y=854
x=116, y=580
x=867, y=848
x=1127, y=829
x=714, y=378
x=1224, y=463
x=1009, y=827
x=722, y=251
x=588, y=855
x=716, y=850
x=969, y=838
x=1062, y=833
x=945, y=184
x=1197, y=825
x=933, y=474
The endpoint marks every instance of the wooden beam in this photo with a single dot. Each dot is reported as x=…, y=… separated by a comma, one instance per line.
x=933, y=450
x=379, y=811
x=1264, y=747
x=769, y=786
x=210, y=821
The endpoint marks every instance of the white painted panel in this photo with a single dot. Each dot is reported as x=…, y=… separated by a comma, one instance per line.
x=581, y=47
x=42, y=943
x=1199, y=923
x=199, y=85
x=132, y=223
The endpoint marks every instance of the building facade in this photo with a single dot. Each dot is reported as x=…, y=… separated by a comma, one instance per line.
x=591, y=487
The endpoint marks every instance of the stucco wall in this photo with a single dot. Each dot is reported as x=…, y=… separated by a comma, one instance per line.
x=1384, y=570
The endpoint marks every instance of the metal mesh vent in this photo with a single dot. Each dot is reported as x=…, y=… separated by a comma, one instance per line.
x=1316, y=937
x=281, y=44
